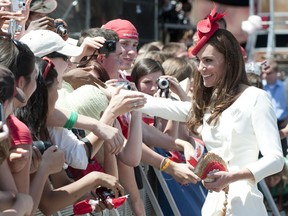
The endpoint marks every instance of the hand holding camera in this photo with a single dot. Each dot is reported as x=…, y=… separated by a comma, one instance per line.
x=108, y=47
x=163, y=85
x=104, y=193
x=126, y=84
x=41, y=145
x=52, y=160
x=17, y=5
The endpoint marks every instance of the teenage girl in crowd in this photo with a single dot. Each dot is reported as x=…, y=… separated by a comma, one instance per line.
x=11, y=201
x=53, y=200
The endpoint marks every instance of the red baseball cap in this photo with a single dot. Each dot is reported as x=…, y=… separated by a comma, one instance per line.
x=124, y=28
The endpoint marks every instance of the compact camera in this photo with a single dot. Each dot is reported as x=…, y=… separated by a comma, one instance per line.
x=13, y=27
x=162, y=83
x=254, y=67
x=17, y=5
x=127, y=86
x=61, y=28
x=104, y=193
x=108, y=47
x=42, y=145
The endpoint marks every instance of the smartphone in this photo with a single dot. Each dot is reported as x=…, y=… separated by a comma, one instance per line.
x=17, y=5
x=2, y=117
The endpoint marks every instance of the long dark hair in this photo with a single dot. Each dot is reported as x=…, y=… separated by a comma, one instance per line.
x=34, y=114
x=18, y=57
x=7, y=84
x=226, y=91
x=143, y=67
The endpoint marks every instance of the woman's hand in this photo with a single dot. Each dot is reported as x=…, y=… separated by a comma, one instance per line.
x=52, y=160
x=176, y=88
x=112, y=137
x=125, y=101
x=108, y=181
x=221, y=181
x=46, y=23
x=182, y=173
x=18, y=158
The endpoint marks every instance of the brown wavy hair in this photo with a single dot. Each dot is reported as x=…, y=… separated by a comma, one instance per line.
x=226, y=91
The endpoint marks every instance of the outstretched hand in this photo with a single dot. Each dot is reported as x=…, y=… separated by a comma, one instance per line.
x=125, y=101
x=182, y=173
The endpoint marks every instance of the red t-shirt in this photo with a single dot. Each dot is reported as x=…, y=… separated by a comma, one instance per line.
x=19, y=132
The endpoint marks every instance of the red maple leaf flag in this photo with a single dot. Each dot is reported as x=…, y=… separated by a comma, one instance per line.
x=85, y=206
x=89, y=205
x=118, y=201
x=199, y=149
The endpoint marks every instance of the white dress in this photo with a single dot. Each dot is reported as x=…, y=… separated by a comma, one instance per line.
x=247, y=126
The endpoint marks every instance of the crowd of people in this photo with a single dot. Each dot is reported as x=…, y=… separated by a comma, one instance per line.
x=79, y=115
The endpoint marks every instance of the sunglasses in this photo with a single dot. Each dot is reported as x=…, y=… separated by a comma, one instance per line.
x=58, y=55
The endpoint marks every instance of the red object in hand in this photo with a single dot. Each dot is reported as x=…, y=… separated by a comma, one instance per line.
x=213, y=166
x=88, y=205
x=117, y=202
x=85, y=206
x=199, y=149
x=176, y=157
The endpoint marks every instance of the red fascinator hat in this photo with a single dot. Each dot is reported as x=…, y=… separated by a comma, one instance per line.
x=206, y=28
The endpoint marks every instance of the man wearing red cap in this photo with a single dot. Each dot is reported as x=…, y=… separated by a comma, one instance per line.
x=129, y=39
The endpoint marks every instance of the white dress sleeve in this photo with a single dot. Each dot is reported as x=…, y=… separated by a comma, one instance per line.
x=267, y=135
x=66, y=140
x=166, y=108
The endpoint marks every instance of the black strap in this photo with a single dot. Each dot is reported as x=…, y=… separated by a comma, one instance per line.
x=89, y=147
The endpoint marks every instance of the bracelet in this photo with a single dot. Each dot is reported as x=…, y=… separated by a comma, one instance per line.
x=165, y=166
x=162, y=161
x=71, y=121
x=89, y=147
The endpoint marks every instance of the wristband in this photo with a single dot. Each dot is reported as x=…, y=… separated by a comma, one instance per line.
x=71, y=121
x=89, y=147
x=166, y=164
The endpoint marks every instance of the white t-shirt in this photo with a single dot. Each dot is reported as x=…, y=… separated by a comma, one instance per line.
x=67, y=141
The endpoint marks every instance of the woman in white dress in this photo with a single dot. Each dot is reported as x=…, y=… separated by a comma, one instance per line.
x=235, y=121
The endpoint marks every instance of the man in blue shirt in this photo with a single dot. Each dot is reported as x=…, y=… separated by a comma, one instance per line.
x=276, y=89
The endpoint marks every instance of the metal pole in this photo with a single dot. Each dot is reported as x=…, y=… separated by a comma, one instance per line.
x=73, y=4
x=156, y=27
x=269, y=198
x=271, y=34
x=151, y=194
x=88, y=14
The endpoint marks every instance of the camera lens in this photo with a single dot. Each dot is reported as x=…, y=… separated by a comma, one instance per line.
x=128, y=86
x=111, y=46
x=162, y=83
